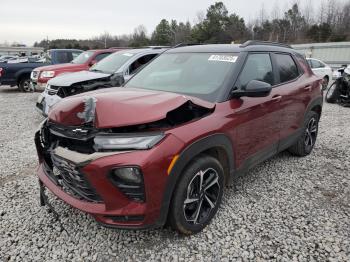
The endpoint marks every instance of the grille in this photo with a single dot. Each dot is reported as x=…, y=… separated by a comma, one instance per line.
x=52, y=90
x=72, y=180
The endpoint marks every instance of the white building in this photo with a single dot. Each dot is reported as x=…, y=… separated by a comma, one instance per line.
x=21, y=51
x=334, y=54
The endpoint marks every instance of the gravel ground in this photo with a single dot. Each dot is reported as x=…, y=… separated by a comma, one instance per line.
x=285, y=209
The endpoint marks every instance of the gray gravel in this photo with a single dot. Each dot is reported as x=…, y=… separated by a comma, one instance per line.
x=285, y=209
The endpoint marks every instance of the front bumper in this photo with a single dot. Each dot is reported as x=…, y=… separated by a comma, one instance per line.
x=46, y=101
x=116, y=209
x=37, y=85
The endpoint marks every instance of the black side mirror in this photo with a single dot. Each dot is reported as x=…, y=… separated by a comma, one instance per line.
x=117, y=79
x=254, y=88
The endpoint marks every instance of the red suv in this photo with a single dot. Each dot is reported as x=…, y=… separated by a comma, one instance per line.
x=41, y=75
x=163, y=147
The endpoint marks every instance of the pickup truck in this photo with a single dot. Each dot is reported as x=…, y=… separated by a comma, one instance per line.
x=84, y=61
x=19, y=73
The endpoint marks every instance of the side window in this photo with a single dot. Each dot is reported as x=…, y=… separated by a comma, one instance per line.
x=317, y=64
x=286, y=67
x=99, y=57
x=140, y=62
x=257, y=67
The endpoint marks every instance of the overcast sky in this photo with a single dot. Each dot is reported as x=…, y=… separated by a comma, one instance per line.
x=28, y=21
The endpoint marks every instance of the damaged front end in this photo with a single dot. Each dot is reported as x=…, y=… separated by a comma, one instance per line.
x=67, y=143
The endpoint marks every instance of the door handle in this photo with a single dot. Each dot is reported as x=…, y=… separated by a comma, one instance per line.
x=276, y=98
x=308, y=87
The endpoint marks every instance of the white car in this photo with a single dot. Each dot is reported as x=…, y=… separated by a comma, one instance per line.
x=321, y=69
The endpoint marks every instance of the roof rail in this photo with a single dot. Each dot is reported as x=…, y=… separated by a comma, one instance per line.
x=256, y=42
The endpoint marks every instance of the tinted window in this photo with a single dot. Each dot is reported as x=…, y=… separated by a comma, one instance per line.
x=99, y=57
x=64, y=57
x=140, y=62
x=257, y=67
x=287, y=69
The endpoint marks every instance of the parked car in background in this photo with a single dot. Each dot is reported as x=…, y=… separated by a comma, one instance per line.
x=106, y=73
x=84, y=61
x=163, y=147
x=6, y=58
x=19, y=73
x=321, y=69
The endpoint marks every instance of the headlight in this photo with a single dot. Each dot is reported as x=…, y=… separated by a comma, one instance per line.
x=131, y=141
x=48, y=74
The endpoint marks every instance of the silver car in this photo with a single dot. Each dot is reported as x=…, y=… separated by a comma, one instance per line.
x=106, y=73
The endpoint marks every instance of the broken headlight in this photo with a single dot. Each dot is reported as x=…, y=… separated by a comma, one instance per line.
x=126, y=142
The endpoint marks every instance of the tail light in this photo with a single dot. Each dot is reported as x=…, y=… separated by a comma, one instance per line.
x=1, y=72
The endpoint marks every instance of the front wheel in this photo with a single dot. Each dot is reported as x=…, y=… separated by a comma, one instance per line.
x=197, y=196
x=307, y=140
x=333, y=93
x=24, y=85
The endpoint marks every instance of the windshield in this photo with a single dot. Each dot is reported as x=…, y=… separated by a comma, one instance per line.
x=200, y=75
x=83, y=57
x=112, y=63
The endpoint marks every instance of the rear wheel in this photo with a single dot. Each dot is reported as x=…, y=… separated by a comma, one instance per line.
x=307, y=140
x=197, y=196
x=333, y=94
x=24, y=85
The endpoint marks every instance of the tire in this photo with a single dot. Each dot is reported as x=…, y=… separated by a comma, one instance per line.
x=192, y=209
x=24, y=85
x=307, y=140
x=332, y=94
x=325, y=83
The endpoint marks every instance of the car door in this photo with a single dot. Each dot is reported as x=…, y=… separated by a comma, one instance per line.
x=295, y=88
x=257, y=125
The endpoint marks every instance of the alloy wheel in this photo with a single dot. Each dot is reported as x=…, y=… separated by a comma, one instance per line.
x=26, y=86
x=311, y=133
x=203, y=192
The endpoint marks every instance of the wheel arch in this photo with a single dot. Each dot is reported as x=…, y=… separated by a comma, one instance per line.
x=21, y=74
x=217, y=145
x=316, y=106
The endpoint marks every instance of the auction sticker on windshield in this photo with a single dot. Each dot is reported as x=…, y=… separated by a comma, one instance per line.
x=223, y=58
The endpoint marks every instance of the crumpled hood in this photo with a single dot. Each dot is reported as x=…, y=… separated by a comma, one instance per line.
x=117, y=107
x=73, y=78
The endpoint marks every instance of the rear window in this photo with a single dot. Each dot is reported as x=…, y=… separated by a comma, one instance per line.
x=287, y=69
x=64, y=57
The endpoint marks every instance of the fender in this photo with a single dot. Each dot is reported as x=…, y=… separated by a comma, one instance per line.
x=216, y=140
x=316, y=102
x=22, y=72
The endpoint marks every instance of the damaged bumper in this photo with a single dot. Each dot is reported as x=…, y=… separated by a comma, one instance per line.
x=83, y=181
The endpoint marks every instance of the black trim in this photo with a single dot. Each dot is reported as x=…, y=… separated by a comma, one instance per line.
x=290, y=140
x=257, y=158
x=216, y=140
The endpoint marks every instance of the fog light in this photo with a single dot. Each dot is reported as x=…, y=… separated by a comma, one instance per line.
x=129, y=180
x=127, y=174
